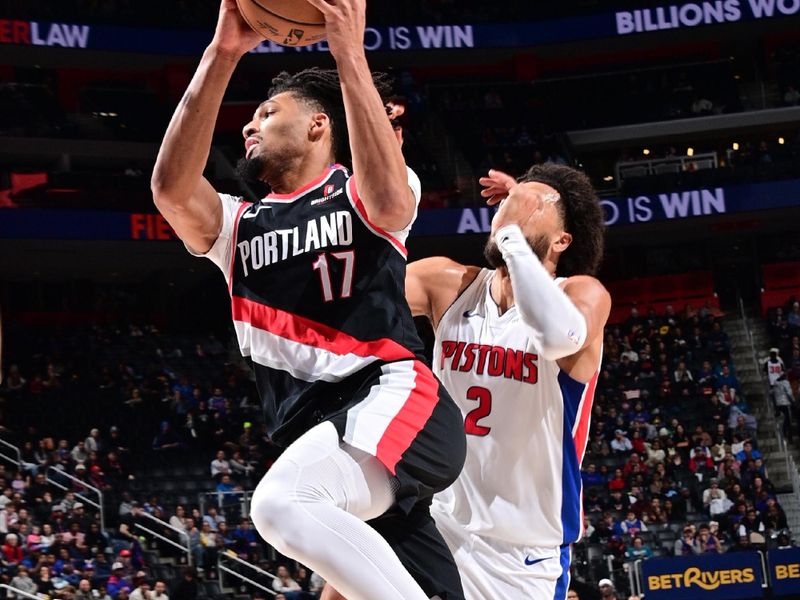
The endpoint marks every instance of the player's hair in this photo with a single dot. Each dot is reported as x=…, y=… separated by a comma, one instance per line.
x=582, y=215
x=322, y=89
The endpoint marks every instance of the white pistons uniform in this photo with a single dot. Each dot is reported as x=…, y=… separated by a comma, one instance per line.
x=510, y=516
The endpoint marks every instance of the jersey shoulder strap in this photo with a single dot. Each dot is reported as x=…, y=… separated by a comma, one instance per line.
x=470, y=302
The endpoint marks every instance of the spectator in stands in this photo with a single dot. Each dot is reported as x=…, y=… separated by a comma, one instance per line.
x=166, y=440
x=783, y=400
x=226, y=485
x=621, y=444
x=12, y=554
x=213, y=518
x=142, y=592
x=591, y=478
x=84, y=591
x=638, y=550
x=617, y=482
x=742, y=544
x=632, y=525
x=774, y=366
x=748, y=452
x=159, y=591
x=774, y=517
x=178, y=520
x=606, y=587
x=92, y=443
x=44, y=584
x=751, y=523
x=685, y=546
x=117, y=582
x=246, y=541
x=239, y=466
x=23, y=582
x=220, y=466
x=700, y=460
x=706, y=542
x=286, y=585
x=127, y=524
x=715, y=500
x=205, y=549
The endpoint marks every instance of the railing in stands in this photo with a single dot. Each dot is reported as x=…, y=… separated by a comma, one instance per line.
x=58, y=478
x=782, y=445
x=659, y=166
x=232, y=559
x=635, y=577
x=226, y=500
x=794, y=474
x=17, y=592
x=185, y=543
x=11, y=453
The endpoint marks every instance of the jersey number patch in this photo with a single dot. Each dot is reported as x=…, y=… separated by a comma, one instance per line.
x=321, y=265
x=484, y=398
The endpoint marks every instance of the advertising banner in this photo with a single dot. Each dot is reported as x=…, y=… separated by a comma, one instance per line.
x=706, y=576
x=400, y=37
x=22, y=223
x=784, y=572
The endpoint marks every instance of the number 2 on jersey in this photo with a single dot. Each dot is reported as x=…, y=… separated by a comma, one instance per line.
x=321, y=265
x=484, y=398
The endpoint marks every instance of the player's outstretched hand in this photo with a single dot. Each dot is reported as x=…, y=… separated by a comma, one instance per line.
x=496, y=185
x=233, y=37
x=345, y=23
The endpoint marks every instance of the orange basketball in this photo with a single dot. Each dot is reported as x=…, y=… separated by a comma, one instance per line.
x=285, y=22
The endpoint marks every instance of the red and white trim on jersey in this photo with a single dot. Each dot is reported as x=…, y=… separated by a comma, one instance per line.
x=386, y=422
x=580, y=431
x=292, y=196
x=361, y=211
x=308, y=350
x=229, y=274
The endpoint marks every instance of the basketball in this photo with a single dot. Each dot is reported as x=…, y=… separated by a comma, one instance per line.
x=285, y=22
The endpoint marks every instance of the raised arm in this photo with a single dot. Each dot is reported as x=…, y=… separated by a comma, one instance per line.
x=433, y=284
x=181, y=193
x=378, y=164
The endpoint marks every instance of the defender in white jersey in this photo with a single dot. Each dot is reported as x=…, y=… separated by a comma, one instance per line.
x=519, y=349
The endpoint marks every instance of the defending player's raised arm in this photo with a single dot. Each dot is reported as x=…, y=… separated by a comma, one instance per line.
x=378, y=165
x=181, y=193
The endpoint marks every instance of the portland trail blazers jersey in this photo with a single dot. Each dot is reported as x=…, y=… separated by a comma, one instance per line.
x=317, y=296
x=526, y=422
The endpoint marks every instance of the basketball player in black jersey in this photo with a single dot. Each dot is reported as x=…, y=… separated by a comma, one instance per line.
x=316, y=276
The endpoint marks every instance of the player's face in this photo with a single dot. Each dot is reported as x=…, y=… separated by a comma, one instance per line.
x=276, y=139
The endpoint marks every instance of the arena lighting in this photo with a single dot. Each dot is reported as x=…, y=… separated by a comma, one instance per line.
x=690, y=152
x=735, y=145
x=646, y=151
x=608, y=178
x=781, y=141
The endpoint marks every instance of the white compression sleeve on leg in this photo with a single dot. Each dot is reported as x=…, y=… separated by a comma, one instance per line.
x=559, y=327
x=311, y=506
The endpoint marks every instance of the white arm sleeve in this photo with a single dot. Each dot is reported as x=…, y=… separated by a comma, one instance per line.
x=416, y=189
x=221, y=252
x=559, y=328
